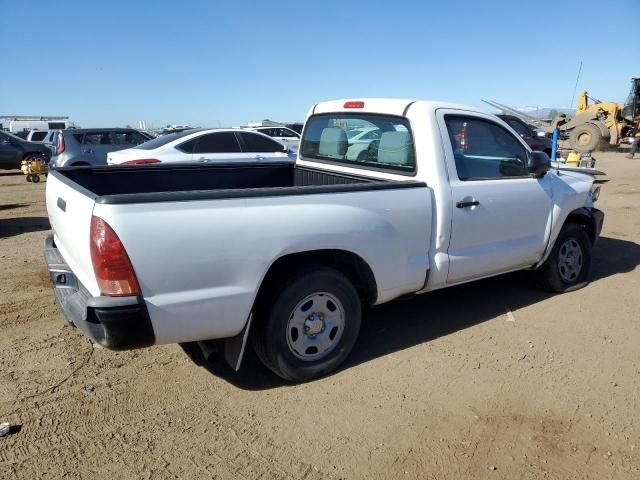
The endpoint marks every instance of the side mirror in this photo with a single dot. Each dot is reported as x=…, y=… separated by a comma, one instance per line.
x=538, y=163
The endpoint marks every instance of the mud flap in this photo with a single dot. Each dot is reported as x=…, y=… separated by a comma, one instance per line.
x=234, y=347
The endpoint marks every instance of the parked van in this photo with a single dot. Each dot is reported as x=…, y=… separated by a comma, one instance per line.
x=17, y=124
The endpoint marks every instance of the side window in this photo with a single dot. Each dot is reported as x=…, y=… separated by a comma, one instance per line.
x=219, y=142
x=254, y=143
x=98, y=138
x=483, y=150
x=285, y=132
x=38, y=136
x=519, y=127
x=188, y=147
x=130, y=139
x=268, y=131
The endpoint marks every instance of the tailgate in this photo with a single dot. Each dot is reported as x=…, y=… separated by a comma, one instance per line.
x=70, y=208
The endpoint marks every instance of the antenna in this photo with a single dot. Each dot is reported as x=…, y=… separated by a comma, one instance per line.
x=576, y=86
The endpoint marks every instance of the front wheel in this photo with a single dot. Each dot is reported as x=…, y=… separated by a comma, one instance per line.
x=311, y=327
x=585, y=138
x=569, y=264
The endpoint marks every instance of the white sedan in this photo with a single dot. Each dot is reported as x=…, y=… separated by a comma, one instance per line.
x=205, y=145
x=360, y=139
x=281, y=134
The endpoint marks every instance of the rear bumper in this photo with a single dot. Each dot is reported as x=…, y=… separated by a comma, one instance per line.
x=118, y=323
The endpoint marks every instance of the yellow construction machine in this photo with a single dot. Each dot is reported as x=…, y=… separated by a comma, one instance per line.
x=594, y=124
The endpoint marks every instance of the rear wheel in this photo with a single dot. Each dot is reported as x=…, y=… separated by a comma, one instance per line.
x=569, y=264
x=585, y=138
x=28, y=178
x=311, y=326
x=35, y=178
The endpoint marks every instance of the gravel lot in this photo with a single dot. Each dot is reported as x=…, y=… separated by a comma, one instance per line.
x=488, y=380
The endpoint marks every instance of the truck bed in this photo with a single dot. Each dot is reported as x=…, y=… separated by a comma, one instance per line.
x=170, y=182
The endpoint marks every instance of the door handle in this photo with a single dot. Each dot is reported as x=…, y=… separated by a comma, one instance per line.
x=471, y=203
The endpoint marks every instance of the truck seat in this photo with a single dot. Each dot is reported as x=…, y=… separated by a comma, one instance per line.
x=395, y=148
x=333, y=143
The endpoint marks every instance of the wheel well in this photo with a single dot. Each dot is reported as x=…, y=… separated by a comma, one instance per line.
x=580, y=217
x=347, y=263
x=548, y=151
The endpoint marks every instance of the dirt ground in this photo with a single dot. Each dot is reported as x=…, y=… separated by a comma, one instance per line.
x=488, y=380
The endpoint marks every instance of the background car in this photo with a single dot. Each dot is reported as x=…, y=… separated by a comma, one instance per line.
x=205, y=145
x=14, y=149
x=528, y=134
x=46, y=137
x=281, y=134
x=90, y=146
x=360, y=139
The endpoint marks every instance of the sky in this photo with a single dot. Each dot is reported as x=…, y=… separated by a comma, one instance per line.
x=223, y=63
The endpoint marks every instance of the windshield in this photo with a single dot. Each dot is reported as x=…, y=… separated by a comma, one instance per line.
x=326, y=138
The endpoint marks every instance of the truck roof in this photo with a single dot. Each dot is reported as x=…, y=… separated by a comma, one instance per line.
x=390, y=106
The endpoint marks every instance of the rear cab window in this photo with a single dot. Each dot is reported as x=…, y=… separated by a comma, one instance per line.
x=326, y=139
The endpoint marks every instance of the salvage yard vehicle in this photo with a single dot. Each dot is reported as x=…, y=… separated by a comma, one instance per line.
x=536, y=141
x=205, y=145
x=283, y=135
x=90, y=146
x=286, y=256
x=13, y=150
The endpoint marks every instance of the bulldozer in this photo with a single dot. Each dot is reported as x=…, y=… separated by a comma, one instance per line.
x=595, y=123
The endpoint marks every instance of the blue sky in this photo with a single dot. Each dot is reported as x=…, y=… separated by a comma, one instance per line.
x=111, y=63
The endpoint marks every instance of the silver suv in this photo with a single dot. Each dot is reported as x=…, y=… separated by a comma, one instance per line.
x=90, y=146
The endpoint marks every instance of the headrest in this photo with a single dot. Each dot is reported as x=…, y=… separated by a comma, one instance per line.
x=395, y=148
x=333, y=143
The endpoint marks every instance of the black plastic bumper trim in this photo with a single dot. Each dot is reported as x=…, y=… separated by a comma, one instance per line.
x=117, y=323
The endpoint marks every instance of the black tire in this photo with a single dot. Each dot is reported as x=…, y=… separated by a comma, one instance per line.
x=274, y=334
x=557, y=274
x=28, y=178
x=35, y=178
x=585, y=138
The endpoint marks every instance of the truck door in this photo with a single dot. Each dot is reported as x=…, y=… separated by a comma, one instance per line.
x=501, y=215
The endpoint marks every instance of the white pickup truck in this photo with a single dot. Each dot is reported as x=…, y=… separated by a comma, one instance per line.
x=285, y=256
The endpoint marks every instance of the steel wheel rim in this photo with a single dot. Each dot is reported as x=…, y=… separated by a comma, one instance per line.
x=570, y=260
x=315, y=326
x=584, y=138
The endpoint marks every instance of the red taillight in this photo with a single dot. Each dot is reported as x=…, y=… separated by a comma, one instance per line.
x=354, y=104
x=60, y=147
x=111, y=263
x=142, y=161
x=463, y=137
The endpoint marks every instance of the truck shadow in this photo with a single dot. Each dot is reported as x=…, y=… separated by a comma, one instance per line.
x=403, y=324
x=16, y=226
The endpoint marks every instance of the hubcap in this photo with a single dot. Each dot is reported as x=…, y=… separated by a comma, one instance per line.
x=570, y=260
x=584, y=138
x=315, y=326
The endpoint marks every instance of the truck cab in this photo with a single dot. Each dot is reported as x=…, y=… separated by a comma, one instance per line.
x=444, y=195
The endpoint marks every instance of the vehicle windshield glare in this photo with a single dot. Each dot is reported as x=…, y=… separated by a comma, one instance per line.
x=332, y=138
